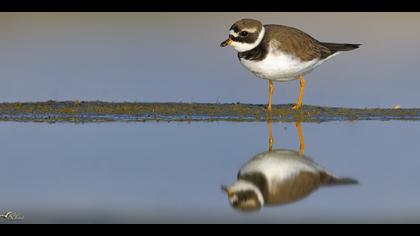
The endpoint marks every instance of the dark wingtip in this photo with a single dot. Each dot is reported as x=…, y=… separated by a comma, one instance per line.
x=349, y=46
x=341, y=181
x=344, y=181
x=348, y=181
x=357, y=45
x=336, y=47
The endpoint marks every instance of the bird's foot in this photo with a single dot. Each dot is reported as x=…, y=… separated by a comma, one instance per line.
x=297, y=107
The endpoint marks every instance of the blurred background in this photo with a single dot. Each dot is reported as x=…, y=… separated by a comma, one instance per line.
x=175, y=57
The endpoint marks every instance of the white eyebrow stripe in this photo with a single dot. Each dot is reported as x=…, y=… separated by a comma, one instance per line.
x=251, y=30
x=233, y=33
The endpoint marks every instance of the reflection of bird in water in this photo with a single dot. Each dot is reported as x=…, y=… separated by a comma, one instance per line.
x=277, y=177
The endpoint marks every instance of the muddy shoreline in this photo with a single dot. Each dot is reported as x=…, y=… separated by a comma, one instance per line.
x=97, y=111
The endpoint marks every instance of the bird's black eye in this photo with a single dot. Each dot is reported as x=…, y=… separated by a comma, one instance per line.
x=244, y=33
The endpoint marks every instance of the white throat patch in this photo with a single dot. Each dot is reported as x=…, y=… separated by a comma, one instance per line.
x=243, y=47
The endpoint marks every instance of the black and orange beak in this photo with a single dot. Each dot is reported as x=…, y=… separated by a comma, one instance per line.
x=227, y=190
x=227, y=42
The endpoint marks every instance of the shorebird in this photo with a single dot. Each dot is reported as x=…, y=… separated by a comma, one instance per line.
x=280, y=53
x=278, y=177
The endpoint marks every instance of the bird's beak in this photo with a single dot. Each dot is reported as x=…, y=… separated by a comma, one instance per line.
x=227, y=190
x=226, y=42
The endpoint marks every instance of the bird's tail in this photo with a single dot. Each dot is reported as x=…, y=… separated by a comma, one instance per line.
x=337, y=47
x=332, y=181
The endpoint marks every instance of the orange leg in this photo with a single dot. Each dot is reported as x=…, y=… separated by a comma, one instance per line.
x=301, y=92
x=270, y=98
x=270, y=131
x=301, y=139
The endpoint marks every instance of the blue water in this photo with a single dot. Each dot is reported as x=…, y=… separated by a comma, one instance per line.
x=172, y=172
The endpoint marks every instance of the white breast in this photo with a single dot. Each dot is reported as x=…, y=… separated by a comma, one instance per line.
x=279, y=66
x=279, y=165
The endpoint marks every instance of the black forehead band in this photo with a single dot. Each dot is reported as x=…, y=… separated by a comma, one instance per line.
x=234, y=28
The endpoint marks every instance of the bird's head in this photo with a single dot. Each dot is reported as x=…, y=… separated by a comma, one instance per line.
x=244, y=196
x=244, y=35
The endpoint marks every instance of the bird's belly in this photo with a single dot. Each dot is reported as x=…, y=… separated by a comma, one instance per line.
x=279, y=67
x=277, y=168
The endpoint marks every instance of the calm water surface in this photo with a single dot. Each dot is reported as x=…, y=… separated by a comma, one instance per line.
x=172, y=172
